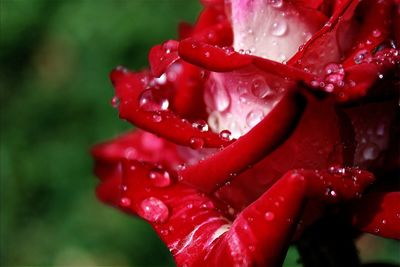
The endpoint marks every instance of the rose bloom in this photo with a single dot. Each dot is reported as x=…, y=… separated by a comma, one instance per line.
x=265, y=120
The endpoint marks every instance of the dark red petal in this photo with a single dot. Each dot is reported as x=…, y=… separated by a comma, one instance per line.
x=376, y=26
x=138, y=145
x=226, y=59
x=378, y=214
x=212, y=14
x=162, y=56
x=248, y=149
x=314, y=144
x=283, y=70
x=129, y=88
x=313, y=54
x=336, y=183
x=188, y=100
x=186, y=220
x=184, y=30
x=261, y=233
x=210, y=57
x=361, y=78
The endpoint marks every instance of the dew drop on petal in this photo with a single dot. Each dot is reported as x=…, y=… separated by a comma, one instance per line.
x=278, y=28
x=150, y=100
x=157, y=118
x=329, y=87
x=225, y=135
x=214, y=120
x=260, y=88
x=376, y=33
x=115, y=102
x=359, y=57
x=196, y=142
x=153, y=210
x=125, y=202
x=160, y=178
x=222, y=100
x=371, y=151
x=269, y=216
x=254, y=117
x=201, y=125
x=275, y=3
x=330, y=193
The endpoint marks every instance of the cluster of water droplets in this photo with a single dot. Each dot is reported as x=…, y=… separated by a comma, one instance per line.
x=371, y=139
x=238, y=101
x=271, y=29
x=333, y=77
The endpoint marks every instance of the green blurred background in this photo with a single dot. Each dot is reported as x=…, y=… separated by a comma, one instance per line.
x=55, y=103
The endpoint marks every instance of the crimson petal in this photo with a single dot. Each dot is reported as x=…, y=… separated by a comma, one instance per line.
x=165, y=123
x=248, y=149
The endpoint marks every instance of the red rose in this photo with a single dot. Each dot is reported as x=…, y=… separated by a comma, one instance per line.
x=264, y=113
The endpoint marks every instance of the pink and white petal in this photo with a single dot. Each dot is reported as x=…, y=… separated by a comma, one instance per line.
x=272, y=29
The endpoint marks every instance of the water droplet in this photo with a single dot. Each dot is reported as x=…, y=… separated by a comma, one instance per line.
x=337, y=170
x=225, y=135
x=376, y=33
x=213, y=120
x=252, y=248
x=157, y=118
x=228, y=50
x=275, y=3
x=115, y=102
x=315, y=83
x=329, y=87
x=231, y=210
x=371, y=151
x=207, y=54
x=330, y=193
x=380, y=130
x=196, y=142
x=160, y=177
x=125, y=202
x=207, y=205
x=151, y=100
x=269, y=216
x=260, y=88
x=383, y=221
x=216, y=97
x=307, y=36
x=254, y=117
x=164, y=232
x=359, y=57
x=153, y=210
x=201, y=125
x=130, y=153
x=278, y=28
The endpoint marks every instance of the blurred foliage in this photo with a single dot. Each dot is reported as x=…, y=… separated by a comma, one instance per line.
x=55, y=59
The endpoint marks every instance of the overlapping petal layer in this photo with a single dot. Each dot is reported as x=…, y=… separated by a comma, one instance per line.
x=237, y=147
